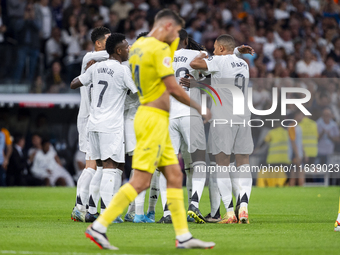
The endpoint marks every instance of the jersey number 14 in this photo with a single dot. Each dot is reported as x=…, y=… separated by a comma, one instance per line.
x=136, y=78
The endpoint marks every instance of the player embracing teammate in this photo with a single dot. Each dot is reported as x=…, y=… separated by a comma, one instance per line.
x=227, y=73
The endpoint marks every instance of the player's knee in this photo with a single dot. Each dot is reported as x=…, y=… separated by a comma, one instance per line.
x=140, y=186
x=175, y=178
x=91, y=164
x=109, y=163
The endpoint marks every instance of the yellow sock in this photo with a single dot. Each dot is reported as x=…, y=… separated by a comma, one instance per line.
x=175, y=201
x=125, y=195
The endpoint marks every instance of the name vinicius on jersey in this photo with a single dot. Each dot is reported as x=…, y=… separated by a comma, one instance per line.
x=105, y=70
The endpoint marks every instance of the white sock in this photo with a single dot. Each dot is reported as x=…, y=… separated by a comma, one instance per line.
x=214, y=194
x=83, y=188
x=198, y=181
x=224, y=186
x=94, y=190
x=139, y=203
x=246, y=183
x=118, y=181
x=184, y=237
x=131, y=208
x=80, y=180
x=235, y=183
x=99, y=227
x=154, y=191
x=162, y=189
x=189, y=183
x=107, y=187
x=338, y=219
x=188, y=171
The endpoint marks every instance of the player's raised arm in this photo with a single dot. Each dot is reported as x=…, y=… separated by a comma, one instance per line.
x=76, y=83
x=198, y=62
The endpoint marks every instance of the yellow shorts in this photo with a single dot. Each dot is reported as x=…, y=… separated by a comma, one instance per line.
x=154, y=148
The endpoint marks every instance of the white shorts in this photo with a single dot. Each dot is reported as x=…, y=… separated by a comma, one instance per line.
x=107, y=145
x=188, y=130
x=82, y=130
x=236, y=139
x=130, y=136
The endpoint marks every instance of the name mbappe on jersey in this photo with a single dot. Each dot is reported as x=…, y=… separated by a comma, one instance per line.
x=238, y=64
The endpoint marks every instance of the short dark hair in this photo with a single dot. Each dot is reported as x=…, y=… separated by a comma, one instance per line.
x=112, y=41
x=141, y=35
x=44, y=141
x=99, y=33
x=17, y=137
x=227, y=41
x=170, y=14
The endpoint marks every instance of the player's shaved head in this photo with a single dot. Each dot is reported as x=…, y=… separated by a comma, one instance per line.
x=226, y=41
x=169, y=14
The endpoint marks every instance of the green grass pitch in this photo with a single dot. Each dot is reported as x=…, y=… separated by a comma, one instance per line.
x=282, y=221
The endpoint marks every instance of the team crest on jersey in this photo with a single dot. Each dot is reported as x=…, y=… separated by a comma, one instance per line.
x=167, y=62
x=210, y=58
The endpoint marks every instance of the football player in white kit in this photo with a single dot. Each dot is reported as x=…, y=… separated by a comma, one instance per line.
x=227, y=69
x=110, y=82
x=89, y=178
x=135, y=211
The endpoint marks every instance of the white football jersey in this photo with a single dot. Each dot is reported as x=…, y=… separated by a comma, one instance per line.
x=84, y=107
x=110, y=82
x=131, y=102
x=228, y=70
x=181, y=66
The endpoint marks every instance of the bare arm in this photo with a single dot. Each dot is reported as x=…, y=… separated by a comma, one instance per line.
x=76, y=83
x=57, y=159
x=178, y=92
x=198, y=62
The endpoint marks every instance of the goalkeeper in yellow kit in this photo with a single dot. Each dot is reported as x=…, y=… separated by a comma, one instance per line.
x=151, y=65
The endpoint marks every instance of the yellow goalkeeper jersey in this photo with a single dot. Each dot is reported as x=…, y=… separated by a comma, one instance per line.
x=150, y=61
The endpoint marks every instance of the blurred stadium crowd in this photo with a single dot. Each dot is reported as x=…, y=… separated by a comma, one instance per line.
x=297, y=43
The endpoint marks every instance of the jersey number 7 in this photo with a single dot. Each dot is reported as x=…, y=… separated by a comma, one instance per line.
x=102, y=92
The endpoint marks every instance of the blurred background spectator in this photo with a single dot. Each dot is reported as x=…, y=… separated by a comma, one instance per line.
x=2, y=160
x=47, y=167
x=17, y=166
x=328, y=136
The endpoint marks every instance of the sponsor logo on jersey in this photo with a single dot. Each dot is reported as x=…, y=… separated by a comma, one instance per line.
x=167, y=62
